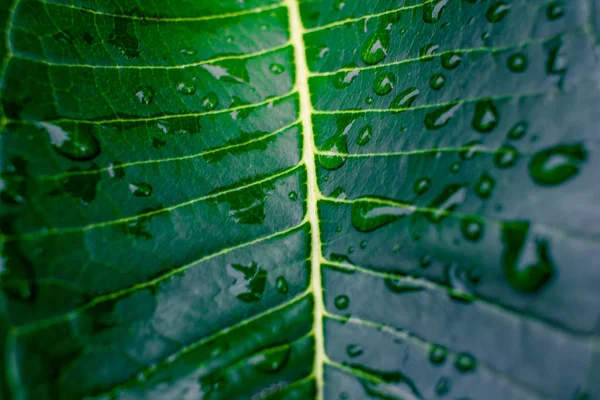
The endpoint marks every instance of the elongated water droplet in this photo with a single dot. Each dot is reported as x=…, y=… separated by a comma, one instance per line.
x=555, y=165
x=343, y=79
x=526, y=257
x=432, y=12
x=451, y=197
x=506, y=157
x=354, y=350
x=281, y=285
x=427, y=52
x=364, y=135
x=376, y=47
x=437, y=81
x=401, y=285
x=145, y=94
x=186, y=88
x=518, y=130
x=78, y=144
x=422, y=185
x=140, y=189
x=484, y=186
x=497, y=11
x=555, y=11
x=440, y=117
x=451, y=60
x=486, y=117
x=384, y=83
x=405, y=99
x=370, y=213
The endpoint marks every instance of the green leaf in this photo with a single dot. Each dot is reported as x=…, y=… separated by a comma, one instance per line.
x=329, y=199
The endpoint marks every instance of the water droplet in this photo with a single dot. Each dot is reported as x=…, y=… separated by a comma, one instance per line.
x=354, y=350
x=432, y=11
x=451, y=60
x=437, y=354
x=472, y=228
x=422, y=185
x=440, y=117
x=363, y=244
x=506, y=157
x=376, y=47
x=486, y=117
x=517, y=62
x=369, y=214
x=186, y=88
x=78, y=144
x=293, y=196
x=497, y=11
x=437, y=81
x=210, y=101
x=455, y=167
x=248, y=283
x=140, y=189
x=188, y=52
x=484, y=186
x=405, y=99
x=401, y=285
x=341, y=302
x=470, y=150
x=276, y=69
x=384, y=83
x=344, y=78
x=369, y=100
x=338, y=228
x=281, y=285
x=271, y=361
x=451, y=197
x=339, y=5
x=555, y=11
x=555, y=165
x=518, y=130
x=364, y=135
x=335, y=144
x=427, y=52
x=465, y=362
x=145, y=94
x=443, y=386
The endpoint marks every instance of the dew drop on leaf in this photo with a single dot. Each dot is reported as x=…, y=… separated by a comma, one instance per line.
x=555, y=165
x=369, y=214
x=78, y=144
x=405, y=99
x=455, y=167
x=209, y=102
x=470, y=150
x=437, y=354
x=432, y=11
x=440, y=117
x=437, y=81
x=140, y=189
x=249, y=282
x=497, y=11
x=341, y=302
x=472, y=228
x=339, y=5
x=451, y=60
x=422, y=185
x=384, y=83
x=335, y=144
x=375, y=49
x=293, y=196
x=484, y=186
x=518, y=130
x=343, y=79
x=517, y=62
x=276, y=69
x=363, y=244
x=400, y=285
x=555, y=11
x=281, y=285
x=354, y=350
x=486, y=117
x=364, y=135
x=465, y=362
x=186, y=88
x=145, y=94
x=443, y=386
x=506, y=157
x=427, y=52
x=451, y=197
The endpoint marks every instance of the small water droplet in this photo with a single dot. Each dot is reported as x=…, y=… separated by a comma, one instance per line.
x=484, y=186
x=354, y=350
x=344, y=78
x=422, y=185
x=452, y=196
x=465, y=362
x=293, y=196
x=145, y=94
x=432, y=12
x=437, y=354
x=405, y=99
x=186, y=88
x=210, y=101
x=363, y=244
x=555, y=11
x=364, y=135
x=506, y=157
x=443, y=386
x=497, y=11
x=140, y=189
x=518, y=130
x=555, y=165
x=517, y=62
x=376, y=47
x=369, y=214
x=115, y=170
x=188, y=52
x=369, y=100
x=437, y=81
x=427, y=52
x=472, y=228
x=276, y=69
x=339, y=5
x=341, y=302
x=451, y=60
x=440, y=117
x=384, y=83
x=486, y=116
x=281, y=285
x=455, y=167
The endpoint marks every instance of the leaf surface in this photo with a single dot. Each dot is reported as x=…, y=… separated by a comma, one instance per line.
x=329, y=199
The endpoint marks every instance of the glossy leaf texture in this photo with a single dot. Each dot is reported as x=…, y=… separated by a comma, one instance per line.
x=328, y=199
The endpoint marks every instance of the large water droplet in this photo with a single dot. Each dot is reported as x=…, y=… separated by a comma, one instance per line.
x=526, y=259
x=248, y=283
x=405, y=99
x=384, y=83
x=145, y=94
x=451, y=60
x=440, y=117
x=369, y=214
x=401, y=285
x=335, y=144
x=78, y=144
x=210, y=101
x=344, y=78
x=427, y=52
x=557, y=164
x=497, y=11
x=376, y=47
x=186, y=88
x=485, y=118
x=451, y=197
x=432, y=11
x=470, y=150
